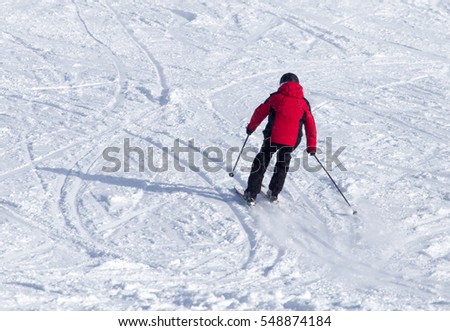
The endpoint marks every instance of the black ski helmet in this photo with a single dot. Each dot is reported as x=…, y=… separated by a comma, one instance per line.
x=288, y=77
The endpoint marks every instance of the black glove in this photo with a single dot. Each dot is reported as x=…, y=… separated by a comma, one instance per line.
x=249, y=132
x=311, y=151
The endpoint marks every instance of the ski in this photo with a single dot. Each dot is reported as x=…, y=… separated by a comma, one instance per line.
x=264, y=191
x=240, y=191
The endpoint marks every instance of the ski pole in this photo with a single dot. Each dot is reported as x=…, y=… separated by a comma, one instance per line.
x=348, y=203
x=231, y=174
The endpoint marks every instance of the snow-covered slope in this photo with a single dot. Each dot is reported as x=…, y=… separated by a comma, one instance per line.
x=80, y=76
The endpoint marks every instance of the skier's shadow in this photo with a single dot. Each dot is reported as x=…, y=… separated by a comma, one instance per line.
x=145, y=185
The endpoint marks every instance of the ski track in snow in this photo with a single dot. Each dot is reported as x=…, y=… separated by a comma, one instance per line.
x=75, y=237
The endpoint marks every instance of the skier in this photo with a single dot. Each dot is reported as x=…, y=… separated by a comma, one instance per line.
x=288, y=111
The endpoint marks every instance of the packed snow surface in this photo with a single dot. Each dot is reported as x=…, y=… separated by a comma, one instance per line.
x=82, y=77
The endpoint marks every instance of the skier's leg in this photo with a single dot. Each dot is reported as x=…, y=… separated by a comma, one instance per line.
x=281, y=169
x=259, y=167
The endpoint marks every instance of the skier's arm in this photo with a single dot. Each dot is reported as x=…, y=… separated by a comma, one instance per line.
x=259, y=115
x=310, y=130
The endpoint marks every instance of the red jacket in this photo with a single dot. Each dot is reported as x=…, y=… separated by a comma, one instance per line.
x=289, y=111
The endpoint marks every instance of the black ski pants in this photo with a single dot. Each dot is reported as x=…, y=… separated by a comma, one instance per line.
x=262, y=161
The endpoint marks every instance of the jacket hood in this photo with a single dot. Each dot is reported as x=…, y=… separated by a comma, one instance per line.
x=291, y=89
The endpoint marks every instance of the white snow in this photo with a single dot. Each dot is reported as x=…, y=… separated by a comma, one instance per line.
x=80, y=76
